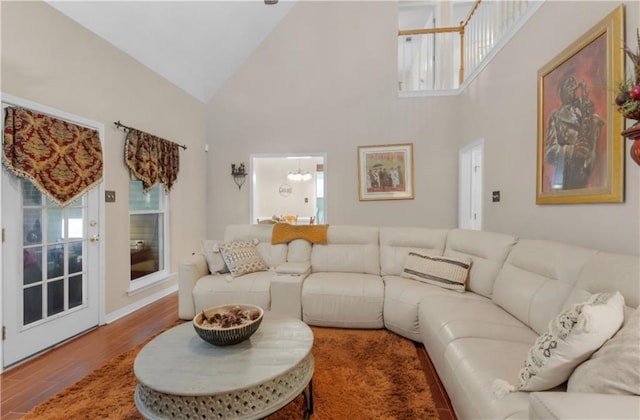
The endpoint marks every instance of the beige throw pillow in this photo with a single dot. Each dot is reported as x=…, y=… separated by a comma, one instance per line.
x=211, y=252
x=242, y=257
x=615, y=368
x=570, y=339
x=446, y=272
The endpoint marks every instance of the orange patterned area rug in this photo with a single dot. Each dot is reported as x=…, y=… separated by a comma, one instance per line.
x=359, y=374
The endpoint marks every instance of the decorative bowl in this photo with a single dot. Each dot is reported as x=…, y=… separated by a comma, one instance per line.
x=220, y=335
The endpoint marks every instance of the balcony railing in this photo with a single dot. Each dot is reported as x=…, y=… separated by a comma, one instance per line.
x=443, y=58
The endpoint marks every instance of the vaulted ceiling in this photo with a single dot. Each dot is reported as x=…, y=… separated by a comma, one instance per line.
x=196, y=45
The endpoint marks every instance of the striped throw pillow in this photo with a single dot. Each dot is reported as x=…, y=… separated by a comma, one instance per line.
x=450, y=273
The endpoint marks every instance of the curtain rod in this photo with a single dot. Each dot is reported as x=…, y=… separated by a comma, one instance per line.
x=127, y=128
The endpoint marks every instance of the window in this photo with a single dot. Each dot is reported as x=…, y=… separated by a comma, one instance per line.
x=148, y=220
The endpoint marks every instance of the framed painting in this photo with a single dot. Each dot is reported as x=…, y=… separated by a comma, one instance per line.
x=580, y=149
x=385, y=172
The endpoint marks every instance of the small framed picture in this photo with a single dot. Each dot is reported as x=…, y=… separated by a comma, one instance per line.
x=385, y=172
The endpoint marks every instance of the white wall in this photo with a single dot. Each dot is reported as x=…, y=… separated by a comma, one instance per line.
x=325, y=81
x=49, y=59
x=500, y=106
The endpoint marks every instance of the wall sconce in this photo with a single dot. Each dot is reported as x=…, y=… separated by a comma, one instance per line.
x=239, y=174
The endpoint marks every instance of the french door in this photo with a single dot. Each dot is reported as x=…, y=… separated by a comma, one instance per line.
x=50, y=268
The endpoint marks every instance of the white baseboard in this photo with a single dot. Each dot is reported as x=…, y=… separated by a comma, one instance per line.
x=109, y=318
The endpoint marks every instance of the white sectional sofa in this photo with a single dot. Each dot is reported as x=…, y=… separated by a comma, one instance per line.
x=514, y=289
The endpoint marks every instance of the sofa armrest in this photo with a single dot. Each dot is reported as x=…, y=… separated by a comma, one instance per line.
x=190, y=270
x=574, y=405
x=296, y=268
x=286, y=294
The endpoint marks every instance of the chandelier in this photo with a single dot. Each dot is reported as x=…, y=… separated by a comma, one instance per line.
x=299, y=175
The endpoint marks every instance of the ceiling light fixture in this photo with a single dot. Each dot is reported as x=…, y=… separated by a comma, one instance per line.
x=299, y=175
x=269, y=2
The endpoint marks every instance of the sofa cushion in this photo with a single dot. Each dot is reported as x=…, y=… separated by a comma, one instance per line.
x=397, y=242
x=487, y=250
x=299, y=250
x=447, y=316
x=241, y=257
x=211, y=252
x=471, y=365
x=566, y=405
x=606, y=272
x=350, y=249
x=402, y=297
x=214, y=290
x=446, y=272
x=343, y=300
x=570, y=339
x=615, y=367
x=537, y=278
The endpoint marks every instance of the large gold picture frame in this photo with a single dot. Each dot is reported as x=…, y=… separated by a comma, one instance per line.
x=580, y=155
x=385, y=172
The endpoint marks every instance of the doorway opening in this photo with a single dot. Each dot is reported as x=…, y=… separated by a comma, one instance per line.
x=470, y=186
x=276, y=190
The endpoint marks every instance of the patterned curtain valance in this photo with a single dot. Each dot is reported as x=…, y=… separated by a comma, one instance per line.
x=62, y=159
x=152, y=159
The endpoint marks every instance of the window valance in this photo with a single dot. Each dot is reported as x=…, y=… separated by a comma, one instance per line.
x=152, y=159
x=62, y=159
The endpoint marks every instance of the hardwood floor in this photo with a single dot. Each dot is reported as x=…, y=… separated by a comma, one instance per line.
x=38, y=379
x=35, y=381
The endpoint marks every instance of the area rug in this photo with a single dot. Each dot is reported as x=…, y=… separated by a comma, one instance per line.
x=359, y=374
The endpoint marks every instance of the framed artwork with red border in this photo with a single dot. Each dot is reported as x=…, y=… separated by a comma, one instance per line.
x=580, y=155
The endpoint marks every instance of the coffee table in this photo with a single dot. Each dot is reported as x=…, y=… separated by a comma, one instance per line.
x=182, y=376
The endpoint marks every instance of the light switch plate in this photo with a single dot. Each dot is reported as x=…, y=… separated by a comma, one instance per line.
x=495, y=196
x=109, y=196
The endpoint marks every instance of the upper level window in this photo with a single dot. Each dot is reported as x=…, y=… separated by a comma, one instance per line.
x=148, y=220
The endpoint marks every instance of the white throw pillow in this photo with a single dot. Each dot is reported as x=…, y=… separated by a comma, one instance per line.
x=446, y=272
x=242, y=257
x=570, y=339
x=615, y=368
x=211, y=252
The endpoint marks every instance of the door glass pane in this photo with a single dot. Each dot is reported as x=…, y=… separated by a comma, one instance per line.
x=31, y=226
x=55, y=297
x=32, y=265
x=75, y=257
x=30, y=194
x=61, y=233
x=55, y=261
x=75, y=291
x=32, y=308
x=55, y=225
x=75, y=221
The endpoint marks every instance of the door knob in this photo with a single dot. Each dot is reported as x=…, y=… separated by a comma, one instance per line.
x=94, y=238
